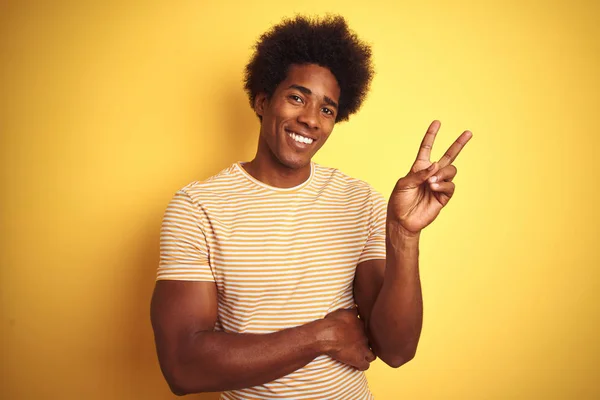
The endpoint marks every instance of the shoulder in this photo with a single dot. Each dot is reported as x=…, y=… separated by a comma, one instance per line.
x=215, y=186
x=335, y=178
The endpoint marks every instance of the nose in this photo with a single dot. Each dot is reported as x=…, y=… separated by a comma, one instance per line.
x=309, y=117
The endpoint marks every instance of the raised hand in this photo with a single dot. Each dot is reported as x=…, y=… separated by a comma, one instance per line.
x=418, y=198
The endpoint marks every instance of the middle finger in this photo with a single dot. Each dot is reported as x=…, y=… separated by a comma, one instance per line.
x=451, y=154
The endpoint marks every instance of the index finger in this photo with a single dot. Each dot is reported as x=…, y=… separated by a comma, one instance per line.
x=427, y=143
x=454, y=150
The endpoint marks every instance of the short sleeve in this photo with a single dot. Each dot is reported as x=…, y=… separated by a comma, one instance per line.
x=183, y=244
x=375, y=247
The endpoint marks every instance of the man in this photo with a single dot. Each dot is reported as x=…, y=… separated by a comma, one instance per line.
x=266, y=267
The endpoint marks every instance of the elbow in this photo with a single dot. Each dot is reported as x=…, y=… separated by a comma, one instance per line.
x=399, y=359
x=180, y=385
x=177, y=385
x=177, y=390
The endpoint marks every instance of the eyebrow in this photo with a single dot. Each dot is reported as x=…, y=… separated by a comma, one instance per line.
x=307, y=91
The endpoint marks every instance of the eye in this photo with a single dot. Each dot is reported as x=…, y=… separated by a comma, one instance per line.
x=296, y=98
x=327, y=111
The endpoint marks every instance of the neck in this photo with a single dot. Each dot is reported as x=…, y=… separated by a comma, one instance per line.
x=272, y=172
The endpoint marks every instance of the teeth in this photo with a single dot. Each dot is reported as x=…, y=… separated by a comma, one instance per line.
x=299, y=138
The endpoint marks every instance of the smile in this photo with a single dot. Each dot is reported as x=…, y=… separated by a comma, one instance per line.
x=299, y=138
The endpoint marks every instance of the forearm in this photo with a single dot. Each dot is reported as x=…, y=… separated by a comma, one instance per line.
x=397, y=315
x=217, y=361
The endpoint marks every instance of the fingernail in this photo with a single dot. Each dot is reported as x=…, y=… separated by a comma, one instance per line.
x=433, y=179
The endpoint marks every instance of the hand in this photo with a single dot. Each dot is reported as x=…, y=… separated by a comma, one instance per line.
x=418, y=198
x=350, y=345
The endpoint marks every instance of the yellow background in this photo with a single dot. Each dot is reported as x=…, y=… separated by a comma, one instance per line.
x=107, y=108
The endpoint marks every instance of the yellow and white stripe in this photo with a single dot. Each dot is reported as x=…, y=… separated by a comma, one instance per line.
x=280, y=258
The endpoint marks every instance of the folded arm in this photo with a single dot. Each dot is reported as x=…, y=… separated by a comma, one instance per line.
x=194, y=358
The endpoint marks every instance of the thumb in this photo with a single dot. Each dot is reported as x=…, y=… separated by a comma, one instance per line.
x=415, y=179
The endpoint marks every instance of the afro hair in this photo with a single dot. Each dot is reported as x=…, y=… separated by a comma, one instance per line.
x=327, y=42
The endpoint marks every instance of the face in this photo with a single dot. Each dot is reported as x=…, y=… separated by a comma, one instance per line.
x=299, y=116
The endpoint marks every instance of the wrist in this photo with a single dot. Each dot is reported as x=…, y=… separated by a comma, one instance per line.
x=395, y=230
x=401, y=245
x=325, y=336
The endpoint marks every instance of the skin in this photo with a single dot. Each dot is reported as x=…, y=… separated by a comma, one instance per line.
x=305, y=103
x=194, y=358
x=388, y=292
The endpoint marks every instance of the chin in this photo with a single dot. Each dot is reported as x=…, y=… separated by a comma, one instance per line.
x=294, y=162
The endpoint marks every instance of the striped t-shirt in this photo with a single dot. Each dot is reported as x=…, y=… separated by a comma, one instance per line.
x=280, y=258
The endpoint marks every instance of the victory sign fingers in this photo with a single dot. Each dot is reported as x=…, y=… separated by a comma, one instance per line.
x=454, y=150
x=424, y=154
x=427, y=143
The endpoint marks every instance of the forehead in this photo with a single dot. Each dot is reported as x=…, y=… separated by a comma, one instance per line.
x=319, y=80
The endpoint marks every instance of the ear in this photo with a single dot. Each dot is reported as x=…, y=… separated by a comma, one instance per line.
x=260, y=103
